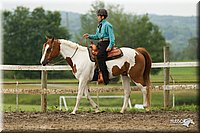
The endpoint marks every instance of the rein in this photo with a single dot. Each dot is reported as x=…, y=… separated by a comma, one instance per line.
x=57, y=62
x=86, y=41
x=86, y=44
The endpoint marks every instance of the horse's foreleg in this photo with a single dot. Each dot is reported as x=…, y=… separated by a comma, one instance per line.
x=94, y=105
x=81, y=87
x=127, y=91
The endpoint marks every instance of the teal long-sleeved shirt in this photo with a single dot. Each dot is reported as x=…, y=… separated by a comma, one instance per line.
x=105, y=32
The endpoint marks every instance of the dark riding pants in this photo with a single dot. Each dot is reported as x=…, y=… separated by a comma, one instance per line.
x=101, y=57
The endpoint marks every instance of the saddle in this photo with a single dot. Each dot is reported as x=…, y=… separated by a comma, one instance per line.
x=93, y=51
x=113, y=54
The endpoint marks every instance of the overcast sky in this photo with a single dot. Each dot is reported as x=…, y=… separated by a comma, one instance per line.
x=160, y=7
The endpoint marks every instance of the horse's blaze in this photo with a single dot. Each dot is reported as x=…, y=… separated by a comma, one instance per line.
x=123, y=70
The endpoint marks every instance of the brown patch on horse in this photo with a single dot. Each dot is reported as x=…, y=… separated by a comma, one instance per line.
x=69, y=61
x=74, y=70
x=123, y=70
x=116, y=70
x=136, y=71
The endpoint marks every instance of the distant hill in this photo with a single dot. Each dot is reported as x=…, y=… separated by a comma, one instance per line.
x=176, y=29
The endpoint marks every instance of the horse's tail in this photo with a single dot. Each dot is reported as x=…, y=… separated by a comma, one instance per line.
x=148, y=62
x=146, y=75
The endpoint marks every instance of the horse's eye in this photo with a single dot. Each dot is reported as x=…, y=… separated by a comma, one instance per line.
x=48, y=50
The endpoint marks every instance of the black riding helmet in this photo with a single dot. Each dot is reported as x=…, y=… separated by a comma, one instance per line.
x=102, y=12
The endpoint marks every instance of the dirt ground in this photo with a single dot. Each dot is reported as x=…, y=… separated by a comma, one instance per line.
x=160, y=121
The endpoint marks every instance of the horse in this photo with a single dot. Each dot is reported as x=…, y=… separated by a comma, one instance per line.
x=134, y=65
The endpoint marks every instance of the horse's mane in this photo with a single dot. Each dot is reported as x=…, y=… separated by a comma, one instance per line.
x=71, y=44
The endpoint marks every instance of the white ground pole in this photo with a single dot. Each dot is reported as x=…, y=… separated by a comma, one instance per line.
x=63, y=99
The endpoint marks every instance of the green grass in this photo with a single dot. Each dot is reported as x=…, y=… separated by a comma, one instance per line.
x=179, y=75
x=37, y=108
x=183, y=99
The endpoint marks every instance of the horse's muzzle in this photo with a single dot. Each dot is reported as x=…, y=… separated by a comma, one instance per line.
x=45, y=62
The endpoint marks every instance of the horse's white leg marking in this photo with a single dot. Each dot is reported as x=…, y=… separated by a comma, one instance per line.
x=144, y=92
x=81, y=87
x=127, y=91
x=87, y=94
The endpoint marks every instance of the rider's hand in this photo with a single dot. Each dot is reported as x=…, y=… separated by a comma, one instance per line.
x=108, y=49
x=86, y=35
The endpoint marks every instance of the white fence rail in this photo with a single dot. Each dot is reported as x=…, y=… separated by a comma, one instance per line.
x=44, y=70
x=67, y=67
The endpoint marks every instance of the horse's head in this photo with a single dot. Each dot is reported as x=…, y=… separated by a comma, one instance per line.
x=51, y=49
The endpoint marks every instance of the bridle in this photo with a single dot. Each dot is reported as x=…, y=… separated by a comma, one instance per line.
x=62, y=59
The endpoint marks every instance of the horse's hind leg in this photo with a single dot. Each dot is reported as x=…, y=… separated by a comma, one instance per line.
x=136, y=74
x=127, y=91
x=144, y=92
x=87, y=94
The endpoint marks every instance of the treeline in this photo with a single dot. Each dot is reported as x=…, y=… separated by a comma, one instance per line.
x=24, y=34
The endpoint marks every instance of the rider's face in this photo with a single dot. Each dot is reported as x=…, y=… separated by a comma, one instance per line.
x=99, y=18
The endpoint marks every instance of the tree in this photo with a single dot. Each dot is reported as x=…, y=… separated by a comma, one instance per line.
x=24, y=34
x=130, y=30
x=191, y=51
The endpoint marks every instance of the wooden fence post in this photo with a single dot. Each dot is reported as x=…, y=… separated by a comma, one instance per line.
x=44, y=87
x=166, y=77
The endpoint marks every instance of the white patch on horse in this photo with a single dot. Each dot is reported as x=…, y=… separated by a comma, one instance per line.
x=71, y=44
x=45, y=51
x=67, y=48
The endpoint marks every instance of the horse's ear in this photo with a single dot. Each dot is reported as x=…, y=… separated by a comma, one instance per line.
x=46, y=37
x=52, y=40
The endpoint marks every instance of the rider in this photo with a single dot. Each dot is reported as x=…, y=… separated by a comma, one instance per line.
x=105, y=35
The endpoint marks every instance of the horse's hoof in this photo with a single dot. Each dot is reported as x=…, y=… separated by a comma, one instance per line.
x=72, y=113
x=97, y=111
x=121, y=112
x=147, y=110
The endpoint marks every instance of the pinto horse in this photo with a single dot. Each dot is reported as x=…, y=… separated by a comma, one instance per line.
x=134, y=65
